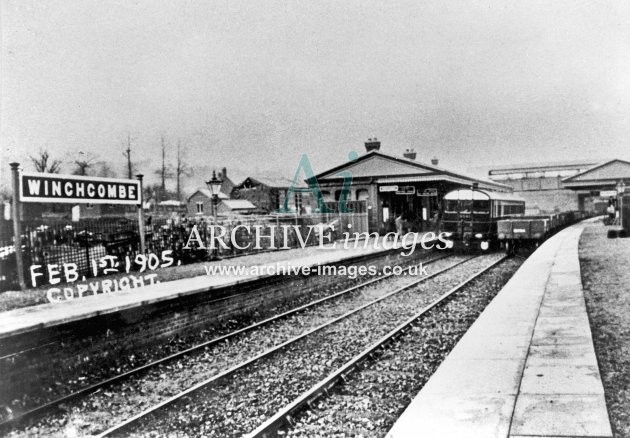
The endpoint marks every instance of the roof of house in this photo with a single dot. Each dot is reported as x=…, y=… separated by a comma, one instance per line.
x=206, y=192
x=171, y=203
x=385, y=167
x=238, y=204
x=275, y=182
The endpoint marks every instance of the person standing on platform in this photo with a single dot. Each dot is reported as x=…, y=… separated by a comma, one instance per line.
x=399, y=224
x=611, y=213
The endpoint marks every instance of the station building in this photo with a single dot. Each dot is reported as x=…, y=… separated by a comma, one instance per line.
x=392, y=185
x=596, y=186
x=552, y=187
x=541, y=185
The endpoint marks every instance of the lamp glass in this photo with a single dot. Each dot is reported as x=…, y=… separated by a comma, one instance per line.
x=214, y=185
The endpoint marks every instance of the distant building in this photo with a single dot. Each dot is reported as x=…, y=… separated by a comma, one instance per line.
x=596, y=186
x=227, y=184
x=268, y=194
x=200, y=202
x=541, y=185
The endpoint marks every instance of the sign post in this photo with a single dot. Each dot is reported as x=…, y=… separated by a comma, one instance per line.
x=141, y=217
x=70, y=189
x=17, y=226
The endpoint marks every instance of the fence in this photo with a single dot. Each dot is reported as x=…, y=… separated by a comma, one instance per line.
x=84, y=243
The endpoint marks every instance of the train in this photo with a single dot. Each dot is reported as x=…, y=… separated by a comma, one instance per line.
x=530, y=231
x=470, y=216
x=483, y=220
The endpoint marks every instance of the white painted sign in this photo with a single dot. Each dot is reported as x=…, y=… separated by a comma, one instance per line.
x=46, y=187
x=388, y=188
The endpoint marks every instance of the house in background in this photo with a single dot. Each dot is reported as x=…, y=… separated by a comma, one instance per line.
x=268, y=193
x=200, y=202
x=227, y=184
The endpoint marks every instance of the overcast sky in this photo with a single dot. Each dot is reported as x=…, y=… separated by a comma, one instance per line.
x=253, y=84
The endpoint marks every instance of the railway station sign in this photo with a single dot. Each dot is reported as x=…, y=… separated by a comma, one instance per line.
x=428, y=192
x=47, y=187
x=406, y=190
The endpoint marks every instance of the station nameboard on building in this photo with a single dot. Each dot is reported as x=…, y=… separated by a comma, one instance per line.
x=428, y=192
x=48, y=187
x=388, y=188
x=406, y=190
x=608, y=193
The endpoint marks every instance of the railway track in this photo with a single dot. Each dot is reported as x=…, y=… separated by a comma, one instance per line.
x=75, y=395
x=289, y=368
x=285, y=416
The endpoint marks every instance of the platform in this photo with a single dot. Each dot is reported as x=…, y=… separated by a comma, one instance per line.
x=526, y=367
x=26, y=319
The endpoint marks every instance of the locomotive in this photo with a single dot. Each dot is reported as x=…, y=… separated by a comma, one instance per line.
x=470, y=216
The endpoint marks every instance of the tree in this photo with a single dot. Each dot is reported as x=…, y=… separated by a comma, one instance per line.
x=44, y=163
x=164, y=172
x=105, y=170
x=127, y=155
x=181, y=169
x=83, y=163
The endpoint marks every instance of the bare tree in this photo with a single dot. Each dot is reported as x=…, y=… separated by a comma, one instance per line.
x=182, y=169
x=84, y=162
x=105, y=170
x=127, y=155
x=44, y=163
x=164, y=172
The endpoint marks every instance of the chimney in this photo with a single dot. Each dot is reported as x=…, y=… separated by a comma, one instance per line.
x=410, y=154
x=224, y=172
x=372, y=144
x=434, y=161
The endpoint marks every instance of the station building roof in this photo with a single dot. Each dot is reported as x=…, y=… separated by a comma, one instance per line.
x=208, y=194
x=382, y=168
x=603, y=175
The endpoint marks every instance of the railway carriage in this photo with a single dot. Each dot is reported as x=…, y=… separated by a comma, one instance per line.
x=530, y=231
x=469, y=217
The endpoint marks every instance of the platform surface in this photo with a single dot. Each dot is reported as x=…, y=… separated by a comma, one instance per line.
x=526, y=367
x=26, y=319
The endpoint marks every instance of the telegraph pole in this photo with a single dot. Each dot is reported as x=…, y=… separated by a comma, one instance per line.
x=17, y=225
